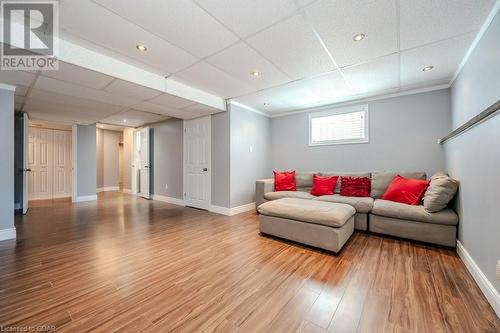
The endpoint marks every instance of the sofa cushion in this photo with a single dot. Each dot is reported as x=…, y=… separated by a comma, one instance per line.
x=284, y=181
x=406, y=190
x=345, y=174
x=355, y=186
x=304, y=179
x=361, y=204
x=440, y=192
x=413, y=213
x=382, y=179
x=323, y=185
x=287, y=194
x=317, y=212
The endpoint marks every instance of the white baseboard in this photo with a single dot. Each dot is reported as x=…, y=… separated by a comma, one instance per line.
x=128, y=191
x=85, y=198
x=232, y=211
x=6, y=234
x=220, y=210
x=62, y=196
x=484, y=284
x=170, y=200
x=108, y=189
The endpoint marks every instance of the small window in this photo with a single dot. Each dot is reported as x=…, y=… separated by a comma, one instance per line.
x=340, y=126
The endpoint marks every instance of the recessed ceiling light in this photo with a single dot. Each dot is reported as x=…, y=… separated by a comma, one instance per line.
x=255, y=73
x=124, y=120
x=141, y=47
x=427, y=68
x=359, y=37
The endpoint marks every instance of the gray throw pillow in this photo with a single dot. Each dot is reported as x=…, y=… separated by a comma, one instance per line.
x=441, y=190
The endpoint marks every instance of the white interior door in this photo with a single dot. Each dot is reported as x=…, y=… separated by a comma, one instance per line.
x=145, y=172
x=33, y=134
x=62, y=164
x=197, y=156
x=26, y=167
x=41, y=163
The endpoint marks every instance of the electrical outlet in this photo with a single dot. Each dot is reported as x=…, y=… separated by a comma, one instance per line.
x=166, y=186
x=251, y=149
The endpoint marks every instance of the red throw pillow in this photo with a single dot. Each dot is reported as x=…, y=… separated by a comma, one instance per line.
x=355, y=186
x=323, y=185
x=284, y=181
x=405, y=190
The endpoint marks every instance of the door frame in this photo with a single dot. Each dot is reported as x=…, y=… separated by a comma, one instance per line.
x=74, y=171
x=184, y=155
x=25, y=189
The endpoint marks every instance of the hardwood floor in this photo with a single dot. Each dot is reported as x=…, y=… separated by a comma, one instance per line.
x=128, y=265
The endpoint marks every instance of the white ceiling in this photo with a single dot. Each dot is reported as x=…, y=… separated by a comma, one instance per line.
x=303, y=50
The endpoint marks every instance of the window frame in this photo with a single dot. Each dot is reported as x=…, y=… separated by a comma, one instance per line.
x=337, y=111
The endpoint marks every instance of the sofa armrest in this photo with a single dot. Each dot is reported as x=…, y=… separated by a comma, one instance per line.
x=262, y=187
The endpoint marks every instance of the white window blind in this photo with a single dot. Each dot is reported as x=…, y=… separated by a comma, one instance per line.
x=339, y=126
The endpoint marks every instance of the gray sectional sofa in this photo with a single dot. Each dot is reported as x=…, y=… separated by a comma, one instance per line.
x=372, y=213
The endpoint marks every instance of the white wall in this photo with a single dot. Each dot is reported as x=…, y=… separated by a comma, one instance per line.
x=474, y=157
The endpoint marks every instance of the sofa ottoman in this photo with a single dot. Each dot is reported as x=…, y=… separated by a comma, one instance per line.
x=325, y=225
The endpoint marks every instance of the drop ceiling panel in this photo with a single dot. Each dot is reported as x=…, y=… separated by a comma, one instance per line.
x=339, y=21
x=260, y=99
x=240, y=61
x=171, y=101
x=303, y=3
x=21, y=90
x=377, y=75
x=94, y=23
x=445, y=56
x=79, y=75
x=300, y=94
x=41, y=96
x=68, y=117
x=427, y=21
x=129, y=89
x=133, y=118
x=206, y=77
x=182, y=23
x=17, y=78
x=65, y=88
x=163, y=110
x=246, y=17
x=51, y=111
x=201, y=109
x=323, y=89
x=293, y=47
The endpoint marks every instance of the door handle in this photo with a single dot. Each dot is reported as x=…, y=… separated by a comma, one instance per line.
x=205, y=169
x=27, y=170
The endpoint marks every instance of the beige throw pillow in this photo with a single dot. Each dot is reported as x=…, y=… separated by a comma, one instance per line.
x=440, y=192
